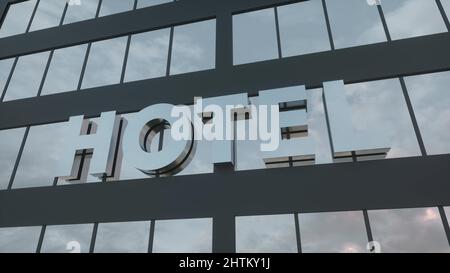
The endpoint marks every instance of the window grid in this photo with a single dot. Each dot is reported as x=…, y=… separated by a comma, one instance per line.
x=290, y=161
x=295, y=215
x=275, y=8
x=411, y=112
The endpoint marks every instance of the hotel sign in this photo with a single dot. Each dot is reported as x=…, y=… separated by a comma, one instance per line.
x=214, y=119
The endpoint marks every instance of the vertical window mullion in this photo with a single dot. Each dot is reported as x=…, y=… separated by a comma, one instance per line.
x=327, y=19
x=445, y=16
x=44, y=76
x=297, y=233
x=83, y=69
x=413, y=117
x=32, y=16
x=4, y=7
x=63, y=16
x=41, y=239
x=277, y=27
x=151, y=236
x=19, y=155
x=93, y=238
x=125, y=59
x=127, y=50
x=8, y=80
x=445, y=222
x=169, y=53
x=383, y=21
x=368, y=227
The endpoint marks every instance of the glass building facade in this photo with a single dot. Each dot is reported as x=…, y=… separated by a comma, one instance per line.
x=389, y=62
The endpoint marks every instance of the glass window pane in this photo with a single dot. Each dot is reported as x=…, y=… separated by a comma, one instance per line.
x=147, y=57
x=272, y=233
x=27, y=76
x=248, y=152
x=447, y=212
x=17, y=18
x=48, y=14
x=10, y=141
x=5, y=70
x=254, y=37
x=354, y=23
x=409, y=230
x=64, y=239
x=430, y=99
x=303, y=28
x=333, y=232
x=183, y=236
x=378, y=108
x=446, y=5
x=115, y=6
x=38, y=164
x=85, y=11
x=123, y=237
x=65, y=68
x=148, y=3
x=194, y=47
x=411, y=18
x=105, y=63
x=19, y=239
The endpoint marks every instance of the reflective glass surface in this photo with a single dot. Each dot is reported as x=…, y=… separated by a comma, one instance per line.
x=411, y=18
x=430, y=98
x=38, y=165
x=379, y=109
x=254, y=37
x=115, y=6
x=446, y=5
x=19, y=239
x=148, y=3
x=409, y=230
x=65, y=68
x=303, y=28
x=183, y=236
x=5, y=70
x=67, y=239
x=354, y=23
x=85, y=11
x=10, y=141
x=17, y=18
x=194, y=47
x=27, y=76
x=249, y=155
x=48, y=14
x=272, y=233
x=122, y=237
x=147, y=57
x=105, y=63
x=341, y=232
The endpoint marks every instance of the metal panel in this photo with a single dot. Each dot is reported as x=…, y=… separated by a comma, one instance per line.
x=396, y=183
x=371, y=62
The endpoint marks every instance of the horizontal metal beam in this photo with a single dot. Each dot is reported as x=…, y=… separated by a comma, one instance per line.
x=145, y=19
x=364, y=63
x=394, y=183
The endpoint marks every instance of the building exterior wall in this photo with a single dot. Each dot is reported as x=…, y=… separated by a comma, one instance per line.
x=88, y=57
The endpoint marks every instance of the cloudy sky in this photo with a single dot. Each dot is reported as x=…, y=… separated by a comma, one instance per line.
x=377, y=108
